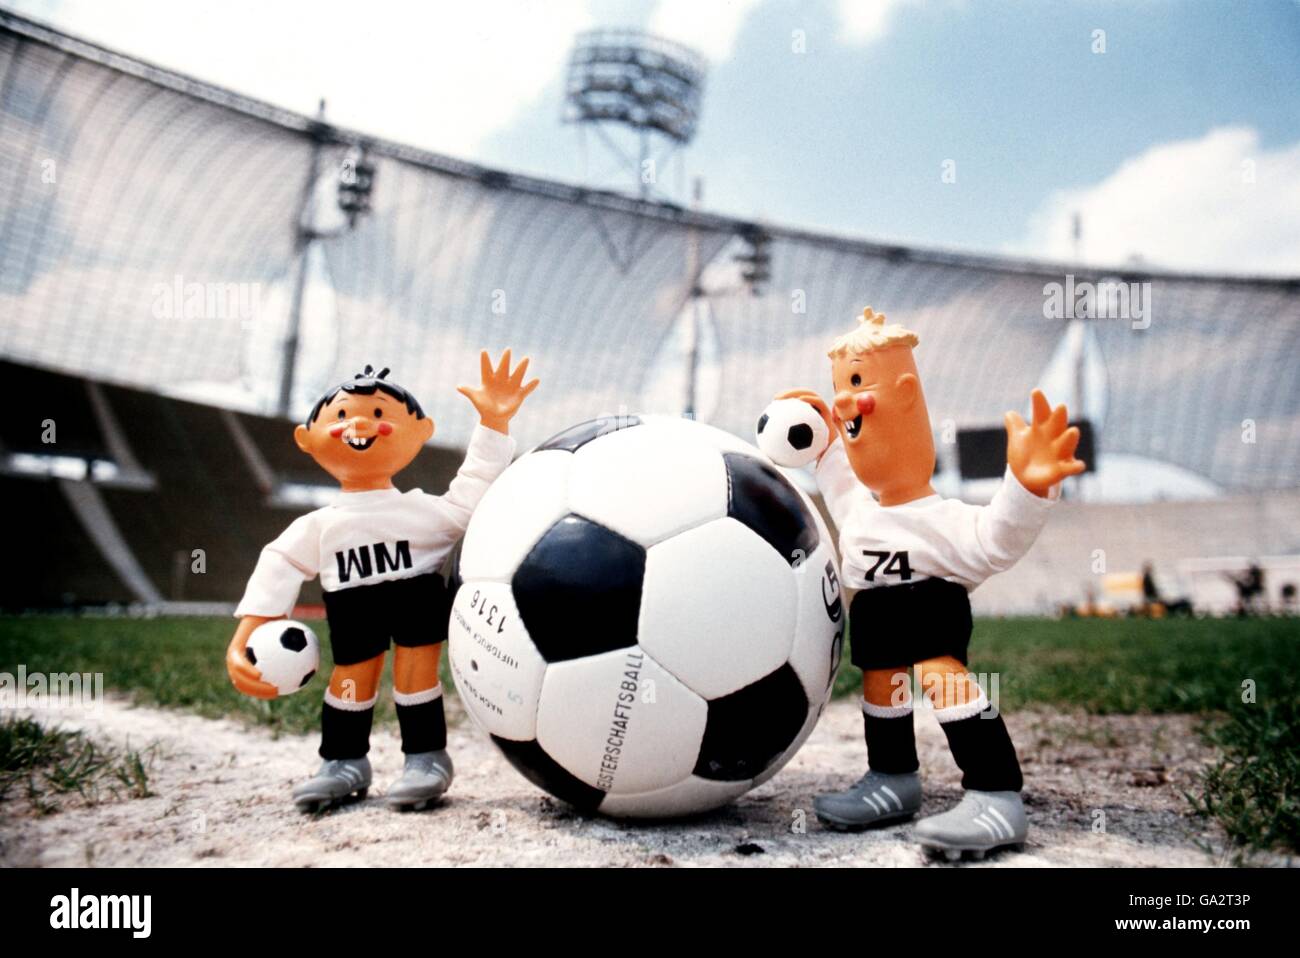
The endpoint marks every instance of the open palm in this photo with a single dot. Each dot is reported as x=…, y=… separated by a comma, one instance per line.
x=1041, y=453
x=502, y=393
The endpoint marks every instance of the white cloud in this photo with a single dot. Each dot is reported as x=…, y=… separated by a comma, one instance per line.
x=440, y=75
x=1220, y=203
x=865, y=21
x=709, y=26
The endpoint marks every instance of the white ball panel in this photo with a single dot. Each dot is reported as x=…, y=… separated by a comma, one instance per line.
x=685, y=798
x=717, y=607
x=524, y=501
x=604, y=722
x=646, y=485
x=819, y=599
x=497, y=669
x=679, y=429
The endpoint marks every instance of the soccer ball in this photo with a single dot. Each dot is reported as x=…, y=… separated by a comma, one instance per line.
x=649, y=617
x=791, y=433
x=286, y=652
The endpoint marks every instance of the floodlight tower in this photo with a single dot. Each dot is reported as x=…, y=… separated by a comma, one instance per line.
x=632, y=81
x=354, y=181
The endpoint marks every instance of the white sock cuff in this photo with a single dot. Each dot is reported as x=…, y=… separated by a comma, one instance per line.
x=349, y=705
x=417, y=698
x=955, y=713
x=886, y=711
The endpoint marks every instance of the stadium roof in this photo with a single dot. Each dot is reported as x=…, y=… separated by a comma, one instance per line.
x=148, y=237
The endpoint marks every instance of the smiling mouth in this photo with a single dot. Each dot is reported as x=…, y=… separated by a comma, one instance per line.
x=360, y=444
x=853, y=427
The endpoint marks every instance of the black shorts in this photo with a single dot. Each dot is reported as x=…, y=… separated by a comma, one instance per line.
x=408, y=612
x=896, y=626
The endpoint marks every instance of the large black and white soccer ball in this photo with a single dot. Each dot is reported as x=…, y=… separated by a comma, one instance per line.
x=649, y=617
x=286, y=652
x=791, y=433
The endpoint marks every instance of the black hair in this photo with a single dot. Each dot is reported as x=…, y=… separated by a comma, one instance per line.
x=367, y=383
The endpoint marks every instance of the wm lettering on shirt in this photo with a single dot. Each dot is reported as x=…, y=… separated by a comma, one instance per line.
x=374, y=559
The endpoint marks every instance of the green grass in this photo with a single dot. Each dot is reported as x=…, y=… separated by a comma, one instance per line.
x=171, y=662
x=1101, y=666
x=1131, y=665
x=1253, y=790
x=49, y=765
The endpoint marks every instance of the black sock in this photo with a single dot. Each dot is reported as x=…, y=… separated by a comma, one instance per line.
x=423, y=722
x=891, y=741
x=345, y=732
x=982, y=749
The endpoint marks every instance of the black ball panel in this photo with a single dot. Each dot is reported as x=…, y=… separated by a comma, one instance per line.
x=575, y=437
x=532, y=762
x=295, y=640
x=579, y=590
x=763, y=499
x=799, y=436
x=250, y=654
x=748, y=730
x=762, y=423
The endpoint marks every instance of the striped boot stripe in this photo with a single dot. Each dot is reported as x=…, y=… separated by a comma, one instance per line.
x=892, y=794
x=1002, y=819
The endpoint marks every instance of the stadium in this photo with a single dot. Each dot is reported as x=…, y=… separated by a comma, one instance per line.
x=184, y=269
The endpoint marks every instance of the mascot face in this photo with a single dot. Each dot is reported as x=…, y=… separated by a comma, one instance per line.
x=363, y=440
x=882, y=419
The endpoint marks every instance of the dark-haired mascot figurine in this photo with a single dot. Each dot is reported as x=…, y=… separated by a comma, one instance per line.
x=377, y=552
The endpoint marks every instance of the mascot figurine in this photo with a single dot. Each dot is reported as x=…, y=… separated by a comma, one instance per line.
x=377, y=552
x=913, y=558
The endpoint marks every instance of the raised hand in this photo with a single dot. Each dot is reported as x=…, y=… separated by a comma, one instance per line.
x=502, y=392
x=1041, y=453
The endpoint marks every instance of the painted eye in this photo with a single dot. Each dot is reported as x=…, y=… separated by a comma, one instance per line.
x=379, y=413
x=856, y=380
x=343, y=414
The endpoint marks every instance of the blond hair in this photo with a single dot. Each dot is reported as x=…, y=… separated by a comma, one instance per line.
x=872, y=333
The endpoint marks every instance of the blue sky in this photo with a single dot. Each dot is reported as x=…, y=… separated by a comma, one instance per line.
x=1180, y=144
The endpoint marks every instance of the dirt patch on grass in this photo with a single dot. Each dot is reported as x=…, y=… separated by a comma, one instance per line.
x=1101, y=790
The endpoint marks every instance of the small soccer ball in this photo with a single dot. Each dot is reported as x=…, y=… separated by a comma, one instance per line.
x=286, y=652
x=791, y=433
x=649, y=620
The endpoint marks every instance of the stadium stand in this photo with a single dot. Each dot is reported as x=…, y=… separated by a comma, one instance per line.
x=63, y=400
x=1084, y=542
x=120, y=182
x=59, y=566
x=202, y=496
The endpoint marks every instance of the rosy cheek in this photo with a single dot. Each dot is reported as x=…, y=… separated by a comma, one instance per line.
x=385, y=429
x=867, y=404
x=337, y=429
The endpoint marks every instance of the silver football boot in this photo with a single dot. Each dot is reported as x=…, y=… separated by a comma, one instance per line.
x=873, y=800
x=337, y=781
x=424, y=779
x=981, y=822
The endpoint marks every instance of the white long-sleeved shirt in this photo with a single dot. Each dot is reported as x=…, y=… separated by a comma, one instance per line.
x=931, y=537
x=364, y=538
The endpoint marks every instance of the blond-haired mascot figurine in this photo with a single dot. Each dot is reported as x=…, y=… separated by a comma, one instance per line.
x=913, y=558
